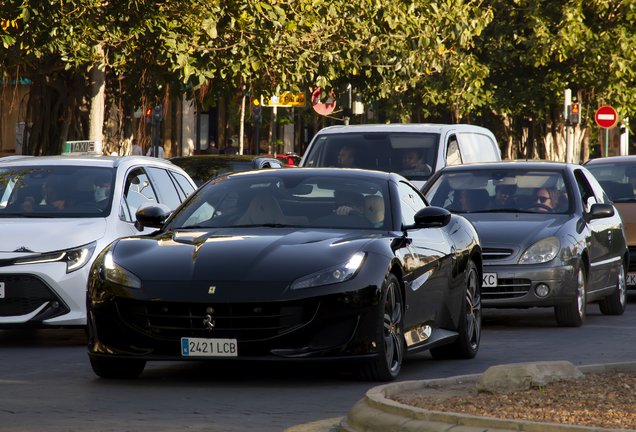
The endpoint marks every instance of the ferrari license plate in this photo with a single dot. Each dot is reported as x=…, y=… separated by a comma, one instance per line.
x=1, y=289
x=489, y=280
x=199, y=347
x=631, y=279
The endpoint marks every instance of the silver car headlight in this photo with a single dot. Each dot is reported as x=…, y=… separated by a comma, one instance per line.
x=112, y=272
x=541, y=252
x=335, y=274
x=75, y=258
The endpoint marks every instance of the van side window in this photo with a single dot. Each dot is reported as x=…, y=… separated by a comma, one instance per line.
x=452, y=152
x=477, y=148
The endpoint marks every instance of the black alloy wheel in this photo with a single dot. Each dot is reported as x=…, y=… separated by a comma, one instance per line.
x=466, y=345
x=390, y=337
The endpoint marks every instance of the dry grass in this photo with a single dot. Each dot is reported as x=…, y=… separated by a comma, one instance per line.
x=606, y=400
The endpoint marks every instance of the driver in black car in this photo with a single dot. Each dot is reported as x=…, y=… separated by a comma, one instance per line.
x=347, y=202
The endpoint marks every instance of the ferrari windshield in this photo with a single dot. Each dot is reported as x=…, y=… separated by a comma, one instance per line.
x=55, y=191
x=297, y=199
x=519, y=190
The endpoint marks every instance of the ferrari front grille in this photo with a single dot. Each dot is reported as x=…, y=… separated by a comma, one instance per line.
x=23, y=294
x=506, y=289
x=241, y=321
x=496, y=253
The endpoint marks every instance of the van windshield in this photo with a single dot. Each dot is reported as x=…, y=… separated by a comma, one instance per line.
x=412, y=155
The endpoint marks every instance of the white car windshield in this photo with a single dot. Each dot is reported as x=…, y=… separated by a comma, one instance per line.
x=55, y=191
x=412, y=155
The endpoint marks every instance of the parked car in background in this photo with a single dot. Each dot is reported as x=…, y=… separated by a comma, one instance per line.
x=415, y=151
x=550, y=235
x=206, y=167
x=303, y=265
x=56, y=214
x=289, y=159
x=617, y=175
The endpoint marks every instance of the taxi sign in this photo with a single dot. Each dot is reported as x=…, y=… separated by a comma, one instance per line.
x=83, y=147
x=287, y=99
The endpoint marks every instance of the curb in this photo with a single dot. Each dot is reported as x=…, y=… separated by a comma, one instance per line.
x=377, y=413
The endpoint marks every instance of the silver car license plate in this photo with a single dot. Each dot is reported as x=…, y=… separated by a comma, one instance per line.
x=200, y=347
x=1, y=289
x=489, y=280
x=631, y=279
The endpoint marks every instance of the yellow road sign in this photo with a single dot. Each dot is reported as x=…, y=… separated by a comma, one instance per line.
x=287, y=99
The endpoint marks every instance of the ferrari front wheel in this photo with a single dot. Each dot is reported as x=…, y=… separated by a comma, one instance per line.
x=469, y=328
x=390, y=337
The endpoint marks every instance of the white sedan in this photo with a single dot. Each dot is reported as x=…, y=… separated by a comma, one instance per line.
x=56, y=214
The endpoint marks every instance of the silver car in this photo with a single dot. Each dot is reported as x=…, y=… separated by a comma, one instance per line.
x=550, y=235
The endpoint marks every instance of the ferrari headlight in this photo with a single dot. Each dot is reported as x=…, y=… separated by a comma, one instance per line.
x=75, y=259
x=335, y=274
x=541, y=252
x=112, y=272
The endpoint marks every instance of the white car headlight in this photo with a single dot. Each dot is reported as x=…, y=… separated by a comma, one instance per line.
x=75, y=258
x=335, y=274
x=112, y=272
x=541, y=252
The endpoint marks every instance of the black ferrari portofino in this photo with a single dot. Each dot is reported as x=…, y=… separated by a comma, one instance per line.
x=309, y=264
x=550, y=235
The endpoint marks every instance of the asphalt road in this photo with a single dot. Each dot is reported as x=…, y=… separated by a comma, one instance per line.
x=46, y=382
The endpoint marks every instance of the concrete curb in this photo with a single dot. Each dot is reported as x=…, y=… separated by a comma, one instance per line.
x=377, y=413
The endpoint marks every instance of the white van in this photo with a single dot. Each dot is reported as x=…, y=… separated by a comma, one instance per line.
x=415, y=151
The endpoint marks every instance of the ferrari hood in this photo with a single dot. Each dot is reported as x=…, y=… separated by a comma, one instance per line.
x=20, y=236
x=237, y=254
x=515, y=229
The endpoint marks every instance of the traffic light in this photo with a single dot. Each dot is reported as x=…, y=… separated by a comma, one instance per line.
x=157, y=114
x=257, y=114
x=148, y=115
x=575, y=113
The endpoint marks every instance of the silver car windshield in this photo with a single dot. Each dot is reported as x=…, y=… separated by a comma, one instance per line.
x=533, y=191
x=55, y=191
x=412, y=155
x=293, y=200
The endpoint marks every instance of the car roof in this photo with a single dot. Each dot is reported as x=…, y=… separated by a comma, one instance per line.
x=86, y=160
x=402, y=127
x=220, y=157
x=311, y=172
x=611, y=159
x=508, y=164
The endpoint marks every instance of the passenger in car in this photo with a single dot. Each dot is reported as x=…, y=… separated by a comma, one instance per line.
x=504, y=197
x=473, y=199
x=347, y=202
x=57, y=195
x=347, y=157
x=411, y=163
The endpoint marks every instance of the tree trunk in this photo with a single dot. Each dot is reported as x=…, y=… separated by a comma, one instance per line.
x=96, y=95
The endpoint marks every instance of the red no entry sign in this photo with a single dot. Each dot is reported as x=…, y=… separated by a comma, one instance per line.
x=606, y=117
